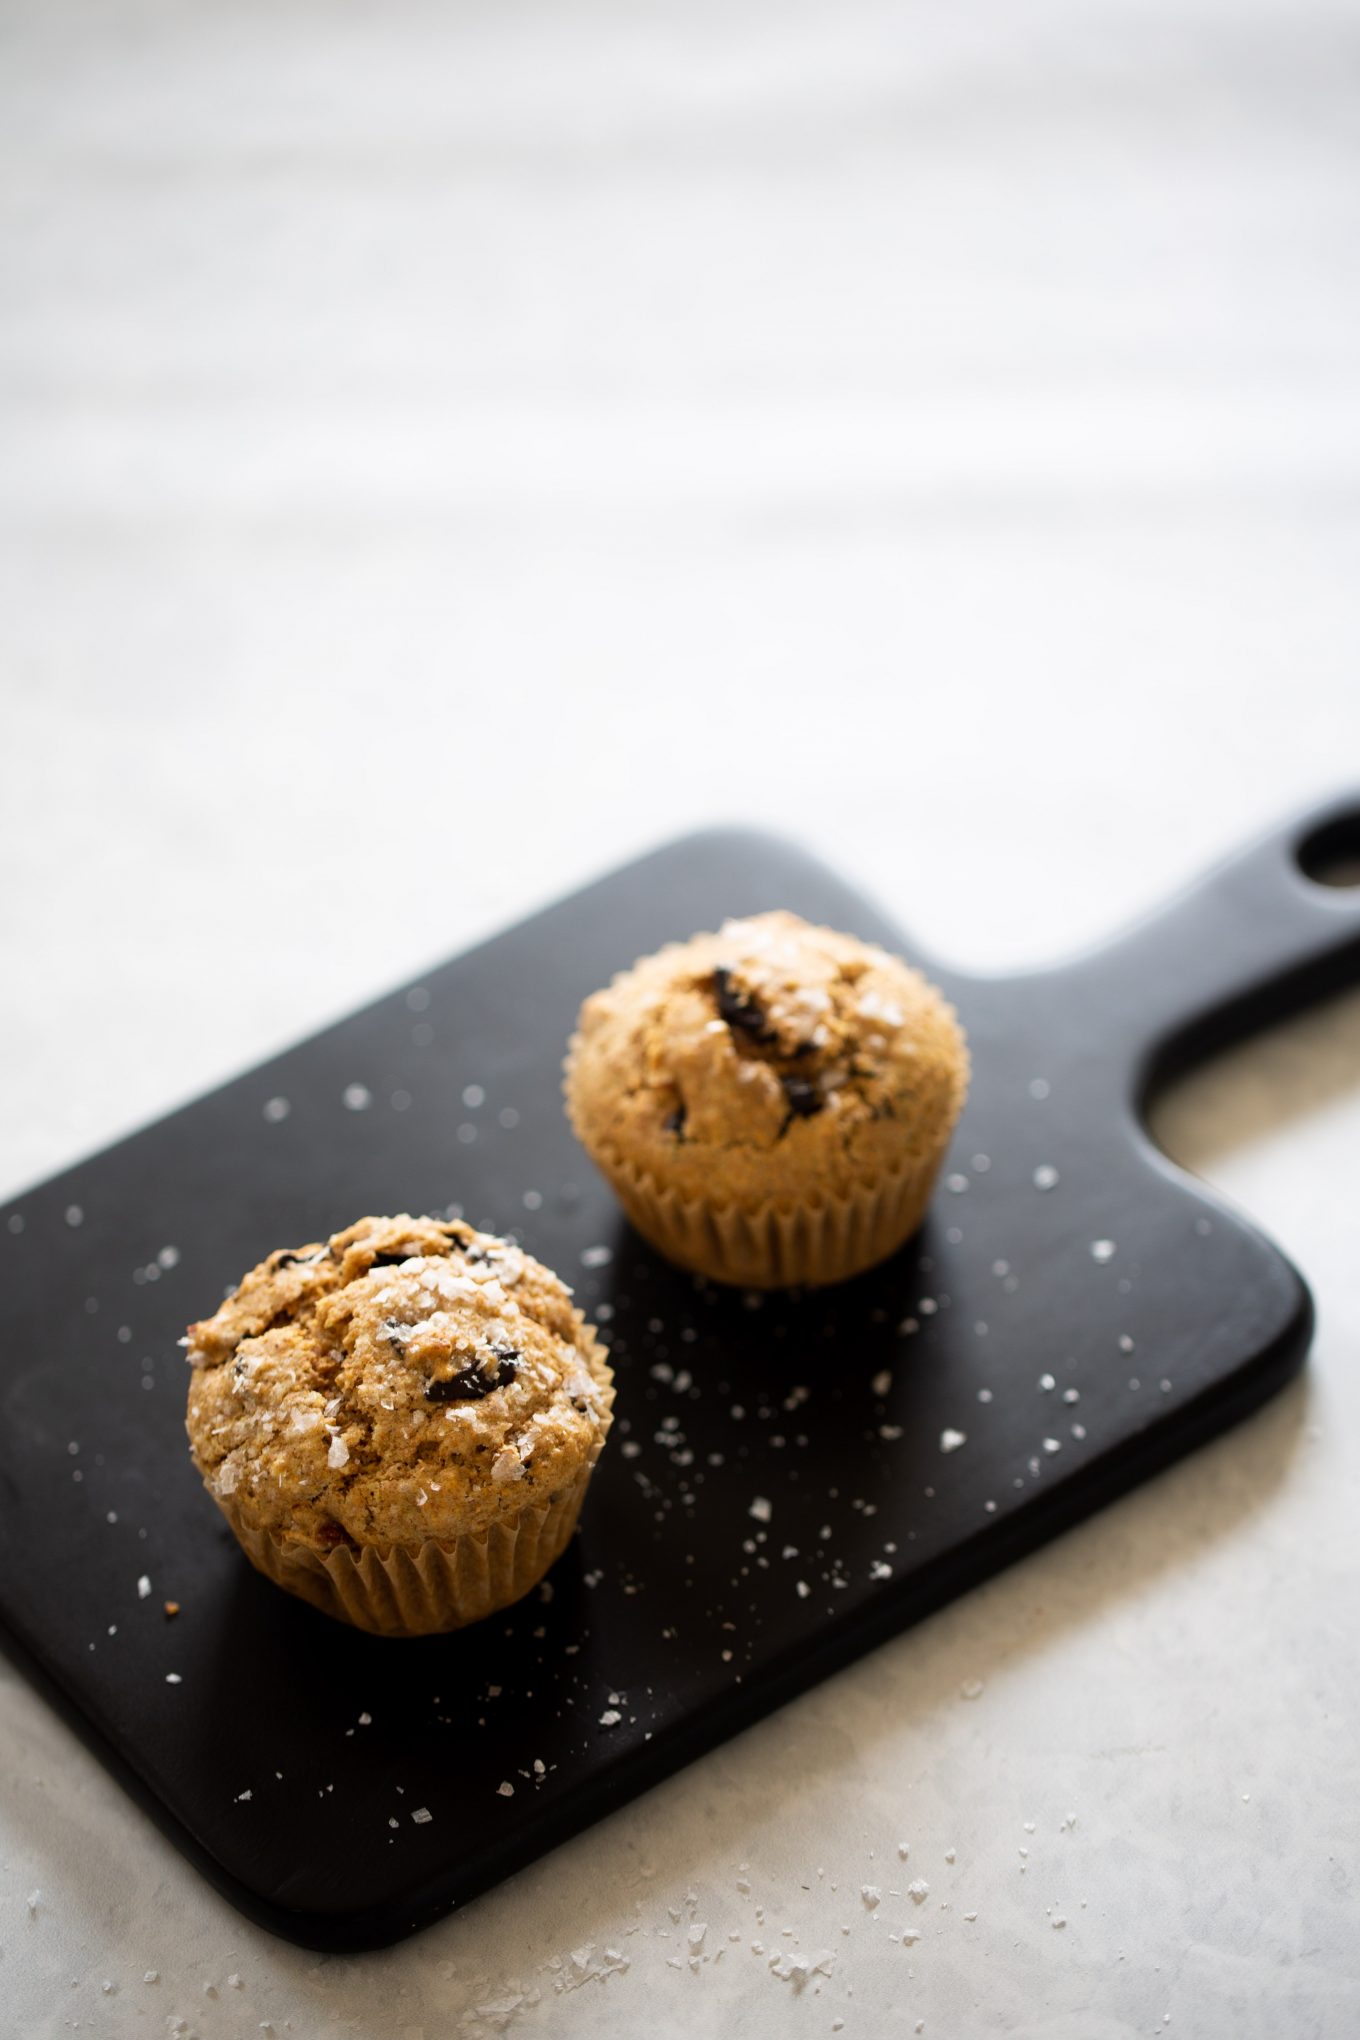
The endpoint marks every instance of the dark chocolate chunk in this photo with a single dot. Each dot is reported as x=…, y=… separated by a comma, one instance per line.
x=391, y=1260
x=471, y=1383
x=674, y=1122
x=741, y=1012
x=804, y=1099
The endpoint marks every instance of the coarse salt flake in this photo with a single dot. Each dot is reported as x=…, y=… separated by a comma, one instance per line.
x=951, y=1440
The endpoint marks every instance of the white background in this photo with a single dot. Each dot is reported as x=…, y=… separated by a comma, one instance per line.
x=446, y=448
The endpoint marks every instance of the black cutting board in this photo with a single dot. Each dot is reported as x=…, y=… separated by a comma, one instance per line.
x=784, y=1486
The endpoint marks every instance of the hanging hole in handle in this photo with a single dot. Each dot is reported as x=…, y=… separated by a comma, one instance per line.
x=1331, y=855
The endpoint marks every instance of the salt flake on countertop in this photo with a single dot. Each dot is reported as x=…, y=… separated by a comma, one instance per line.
x=950, y=1440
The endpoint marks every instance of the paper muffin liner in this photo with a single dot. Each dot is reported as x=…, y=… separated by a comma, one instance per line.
x=776, y=1246
x=440, y=1584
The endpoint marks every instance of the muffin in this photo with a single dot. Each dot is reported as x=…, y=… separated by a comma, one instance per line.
x=771, y=1104
x=400, y=1424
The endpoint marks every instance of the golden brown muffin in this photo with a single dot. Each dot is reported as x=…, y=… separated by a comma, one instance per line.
x=400, y=1424
x=771, y=1103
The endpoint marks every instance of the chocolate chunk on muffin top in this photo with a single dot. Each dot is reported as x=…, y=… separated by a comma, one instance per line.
x=771, y=1059
x=404, y=1380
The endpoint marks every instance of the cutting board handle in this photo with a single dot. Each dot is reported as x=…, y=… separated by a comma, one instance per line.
x=1258, y=936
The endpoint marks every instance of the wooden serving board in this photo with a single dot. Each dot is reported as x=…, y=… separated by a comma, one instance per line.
x=790, y=1480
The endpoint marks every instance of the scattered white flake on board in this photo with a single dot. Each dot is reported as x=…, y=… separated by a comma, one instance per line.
x=506, y=1789
x=143, y=1587
x=949, y=1855
x=74, y=1214
x=919, y=1891
x=275, y=1109
x=1125, y=1343
x=473, y=1096
x=1047, y=1382
x=365, y=1720
x=154, y=1976
x=802, y=1589
x=951, y=1440
x=761, y=1509
x=984, y=1395
x=1053, y=1445
x=33, y=1901
x=890, y=1432
x=597, y=1257
x=904, y=1850
x=420, y=1815
x=871, y=1895
x=1059, y=1920
x=234, y=1982
x=610, y=1718
x=1045, y=1176
x=881, y=1383
x=356, y=1097
x=173, y=1679
x=956, y=1183
x=532, y=1200
x=168, y=1257
x=1102, y=1250
x=247, y=1794
x=971, y=1688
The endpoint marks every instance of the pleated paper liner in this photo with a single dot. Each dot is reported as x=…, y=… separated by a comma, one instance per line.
x=773, y=1247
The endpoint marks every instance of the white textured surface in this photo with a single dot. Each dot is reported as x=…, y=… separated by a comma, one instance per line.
x=448, y=447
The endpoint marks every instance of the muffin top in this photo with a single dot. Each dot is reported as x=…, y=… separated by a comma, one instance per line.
x=405, y=1380
x=773, y=1060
